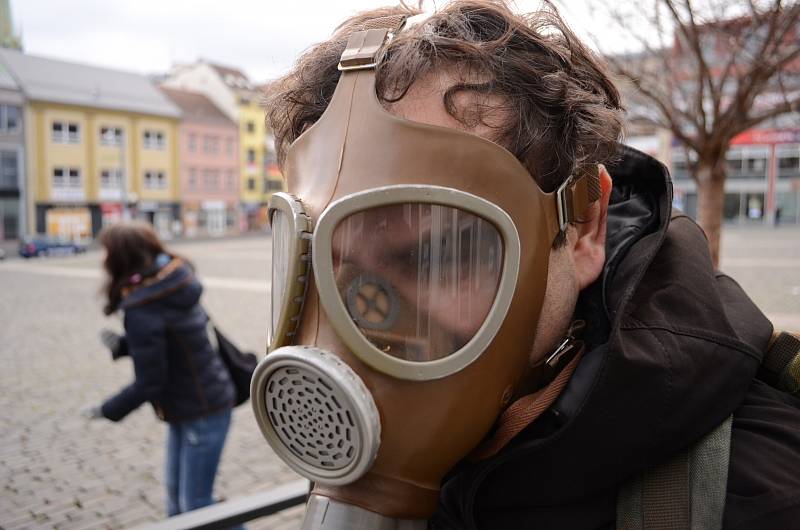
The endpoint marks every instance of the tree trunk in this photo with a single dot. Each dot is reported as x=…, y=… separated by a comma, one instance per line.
x=710, y=201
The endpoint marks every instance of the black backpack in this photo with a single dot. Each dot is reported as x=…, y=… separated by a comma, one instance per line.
x=688, y=490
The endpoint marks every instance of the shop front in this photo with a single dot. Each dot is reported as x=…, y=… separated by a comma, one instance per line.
x=763, y=179
x=254, y=216
x=215, y=218
x=72, y=223
x=164, y=216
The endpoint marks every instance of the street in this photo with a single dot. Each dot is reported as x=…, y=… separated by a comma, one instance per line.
x=59, y=470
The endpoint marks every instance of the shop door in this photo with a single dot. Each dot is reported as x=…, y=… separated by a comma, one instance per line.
x=215, y=222
x=161, y=222
x=754, y=208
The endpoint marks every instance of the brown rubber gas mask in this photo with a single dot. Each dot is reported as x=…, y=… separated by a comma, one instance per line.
x=408, y=273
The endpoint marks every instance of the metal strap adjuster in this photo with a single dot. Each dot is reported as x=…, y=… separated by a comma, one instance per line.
x=363, y=49
x=564, y=207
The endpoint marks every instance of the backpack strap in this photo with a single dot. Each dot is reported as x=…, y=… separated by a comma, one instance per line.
x=781, y=365
x=687, y=492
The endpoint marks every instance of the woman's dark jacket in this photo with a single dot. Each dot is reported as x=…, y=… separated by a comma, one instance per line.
x=177, y=369
x=672, y=349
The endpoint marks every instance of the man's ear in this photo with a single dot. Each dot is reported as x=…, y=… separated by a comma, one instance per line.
x=587, y=242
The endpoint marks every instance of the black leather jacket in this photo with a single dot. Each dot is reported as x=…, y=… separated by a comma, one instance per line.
x=177, y=369
x=672, y=349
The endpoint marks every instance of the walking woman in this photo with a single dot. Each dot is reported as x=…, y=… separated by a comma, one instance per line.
x=177, y=369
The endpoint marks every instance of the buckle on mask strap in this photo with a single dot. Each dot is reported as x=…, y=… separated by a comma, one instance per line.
x=365, y=45
x=574, y=196
x=362, y=49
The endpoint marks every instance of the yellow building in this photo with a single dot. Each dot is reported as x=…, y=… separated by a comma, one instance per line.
x=252, y=138
x=100, y=144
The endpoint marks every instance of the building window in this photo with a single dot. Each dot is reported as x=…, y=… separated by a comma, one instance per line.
x=788, y=161
x=734, y=165
x=155, y=180
x=9, y=173
x=275, y=185
x=211, y=144
x=251, y=156
x=251, y=184
x=747, y=163
x=756, y=165
x=9, y=118
x=229, y=147
x=65, y=132
x=111, y=179
x=230, y=180
x=192, y=179
x=211, y=179
x=111, y=136
x=73, y=133
x=154, y=140
x=66, y=177
x=207, y=179
x=59, y=179
x=192, y=143
x=251, y=127
x=682, y=165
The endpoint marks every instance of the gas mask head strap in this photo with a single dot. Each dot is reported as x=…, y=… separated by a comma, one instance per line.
x=363, y=51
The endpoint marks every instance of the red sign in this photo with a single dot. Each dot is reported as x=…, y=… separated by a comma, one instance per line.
x=110, y=212
x=767, y=136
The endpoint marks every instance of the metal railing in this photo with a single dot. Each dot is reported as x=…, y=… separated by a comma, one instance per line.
x=237, y=511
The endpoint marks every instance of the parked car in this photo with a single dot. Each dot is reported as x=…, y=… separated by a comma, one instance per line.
x=49, y=246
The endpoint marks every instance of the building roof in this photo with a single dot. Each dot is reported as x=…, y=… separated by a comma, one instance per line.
x=196, y=107
x=233, y=77
x=55, y=81
x=7, y=80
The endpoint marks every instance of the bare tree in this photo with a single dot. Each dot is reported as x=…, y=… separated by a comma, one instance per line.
x=707, y=70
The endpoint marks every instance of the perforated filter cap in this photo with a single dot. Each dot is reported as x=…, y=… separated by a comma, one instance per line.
x=316, y=413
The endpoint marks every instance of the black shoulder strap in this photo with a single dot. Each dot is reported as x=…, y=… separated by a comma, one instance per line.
x=781, y=365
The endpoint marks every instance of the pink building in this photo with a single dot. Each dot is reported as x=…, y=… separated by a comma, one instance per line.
x=209, y=166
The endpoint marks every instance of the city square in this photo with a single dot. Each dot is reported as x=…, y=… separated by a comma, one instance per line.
x=59, y=470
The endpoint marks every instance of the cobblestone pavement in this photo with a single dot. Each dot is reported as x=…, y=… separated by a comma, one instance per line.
x=58, y=470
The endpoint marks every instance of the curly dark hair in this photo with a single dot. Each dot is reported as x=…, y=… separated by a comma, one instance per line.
x=564, y=112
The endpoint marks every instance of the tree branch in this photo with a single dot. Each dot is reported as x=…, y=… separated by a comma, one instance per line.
x=784, y=108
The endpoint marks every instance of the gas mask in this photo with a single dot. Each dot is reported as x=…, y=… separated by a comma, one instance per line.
x=409, y=269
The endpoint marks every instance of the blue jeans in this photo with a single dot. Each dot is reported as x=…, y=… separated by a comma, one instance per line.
x=193, y=451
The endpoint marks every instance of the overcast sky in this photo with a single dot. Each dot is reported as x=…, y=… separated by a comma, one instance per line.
x=262, y=37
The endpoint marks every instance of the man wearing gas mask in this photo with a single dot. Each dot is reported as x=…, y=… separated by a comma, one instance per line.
x=471, y=327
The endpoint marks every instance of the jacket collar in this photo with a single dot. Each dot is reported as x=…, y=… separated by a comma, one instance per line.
x=166, y=281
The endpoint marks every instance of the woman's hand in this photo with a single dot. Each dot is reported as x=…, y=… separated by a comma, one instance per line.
x=91, y=412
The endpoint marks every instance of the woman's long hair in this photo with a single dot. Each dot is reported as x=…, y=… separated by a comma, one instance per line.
x=130, y=248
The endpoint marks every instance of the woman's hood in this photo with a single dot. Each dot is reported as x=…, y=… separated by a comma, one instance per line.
x=174, y=284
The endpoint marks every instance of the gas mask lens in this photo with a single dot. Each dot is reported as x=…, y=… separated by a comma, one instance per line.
x=291, y=233
x=417, y=279
x=281, y=239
